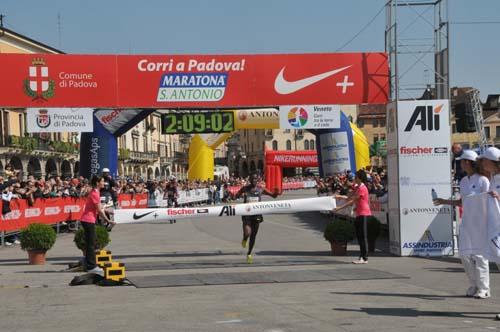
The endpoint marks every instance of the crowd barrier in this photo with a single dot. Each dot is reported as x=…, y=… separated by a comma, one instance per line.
x=56, y=210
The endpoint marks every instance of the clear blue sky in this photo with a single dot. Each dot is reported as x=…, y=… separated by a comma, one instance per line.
x=244, y=26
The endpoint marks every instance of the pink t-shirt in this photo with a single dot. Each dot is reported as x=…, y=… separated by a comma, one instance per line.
x=90, y=210
x=363, y=203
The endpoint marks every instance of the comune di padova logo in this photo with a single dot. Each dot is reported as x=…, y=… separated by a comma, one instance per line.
x=39, y=86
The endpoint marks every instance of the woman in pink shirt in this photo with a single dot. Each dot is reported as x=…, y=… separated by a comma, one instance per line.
x=88, y=220
x=361, y=199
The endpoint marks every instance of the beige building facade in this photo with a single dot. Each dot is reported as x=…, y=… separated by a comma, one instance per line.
x=144, y=152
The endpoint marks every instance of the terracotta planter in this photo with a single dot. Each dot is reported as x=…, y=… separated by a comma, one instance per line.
x=338, y=248
x=37, y=257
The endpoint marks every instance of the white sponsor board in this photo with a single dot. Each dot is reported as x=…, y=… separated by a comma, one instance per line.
x=127, y=216
x=52, y=120
x=334, y=153
x=114, y=119
x=422, y=163
x=310, y=117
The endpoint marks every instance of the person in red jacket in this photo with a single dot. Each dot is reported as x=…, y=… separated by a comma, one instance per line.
x=361, y=199
x=88, y=220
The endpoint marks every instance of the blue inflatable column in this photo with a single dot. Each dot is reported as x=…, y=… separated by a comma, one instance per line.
x=336, y=149
x=98, y=150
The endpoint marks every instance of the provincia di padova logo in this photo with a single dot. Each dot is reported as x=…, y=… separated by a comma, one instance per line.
x=192, y=80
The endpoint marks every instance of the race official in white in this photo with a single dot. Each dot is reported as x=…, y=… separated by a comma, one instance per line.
x=472, y=230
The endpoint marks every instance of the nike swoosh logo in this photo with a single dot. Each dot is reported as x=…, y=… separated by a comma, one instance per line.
x=284, y=87
x=139, y=216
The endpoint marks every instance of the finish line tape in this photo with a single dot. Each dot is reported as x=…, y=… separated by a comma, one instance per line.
x=129, y=216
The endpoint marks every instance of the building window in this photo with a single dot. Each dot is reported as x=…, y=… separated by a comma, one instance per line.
x=382, y=137
x=306, y=145
x=375, y=139
x=311, y=144
x=288, y=144
x=275, y=145
x=135, y=144
x=21, y=127
x=286, y=131
x=375, y=123
x=497, y=132
x=487, y=132
x=252, y=147
x=360, y=123
x=453, y=128
x=382, y=123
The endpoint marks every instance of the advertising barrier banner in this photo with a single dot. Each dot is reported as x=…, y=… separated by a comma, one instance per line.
x=167, y=81
x=54, y=210
x=267, y=207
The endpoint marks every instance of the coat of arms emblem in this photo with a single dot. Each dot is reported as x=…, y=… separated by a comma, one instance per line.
x=43, y=119
x=39, y=86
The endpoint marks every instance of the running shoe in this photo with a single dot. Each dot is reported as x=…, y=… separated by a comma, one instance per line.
x=249, y=259
x=243, y=243
x=360, y=261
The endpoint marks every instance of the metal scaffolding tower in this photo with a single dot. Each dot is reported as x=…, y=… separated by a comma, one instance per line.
x=475, y=108
x=417, y=41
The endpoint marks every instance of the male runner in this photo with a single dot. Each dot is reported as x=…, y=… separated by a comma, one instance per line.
x=252, y=193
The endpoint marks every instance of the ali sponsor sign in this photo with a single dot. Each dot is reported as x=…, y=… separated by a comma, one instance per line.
x=211, y=81
x=420, y=160
x=51, y=120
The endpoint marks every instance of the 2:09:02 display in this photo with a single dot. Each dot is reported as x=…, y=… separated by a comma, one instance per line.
x=187, y=123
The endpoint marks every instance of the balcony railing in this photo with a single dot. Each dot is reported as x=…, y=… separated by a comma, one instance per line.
x=143, y=156
x=166, y=160
x=29, y=144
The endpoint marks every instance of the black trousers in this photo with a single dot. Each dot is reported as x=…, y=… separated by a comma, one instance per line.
x=361, y=225
x=90, y=238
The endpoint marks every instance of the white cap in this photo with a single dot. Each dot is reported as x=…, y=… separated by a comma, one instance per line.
x=105, y=170
x=468, y=155
x=491, y=153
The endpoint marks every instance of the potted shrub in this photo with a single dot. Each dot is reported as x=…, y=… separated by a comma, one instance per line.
x=37, y=239
x=101, y=241
x=338, y=233
x=373, y=233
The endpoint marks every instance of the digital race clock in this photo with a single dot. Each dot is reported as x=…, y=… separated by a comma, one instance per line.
x=193, y=123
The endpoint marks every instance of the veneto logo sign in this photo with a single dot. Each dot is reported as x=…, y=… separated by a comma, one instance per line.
x=425, y=117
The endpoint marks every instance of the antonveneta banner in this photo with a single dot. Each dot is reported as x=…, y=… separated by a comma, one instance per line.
x=210, y=81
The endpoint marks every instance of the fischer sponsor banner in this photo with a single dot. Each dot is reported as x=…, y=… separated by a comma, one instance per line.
x=169, y=81
x=56, y=120
x=266, y=207
x=423, y=155
x=115, y=119
x=310, y=117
